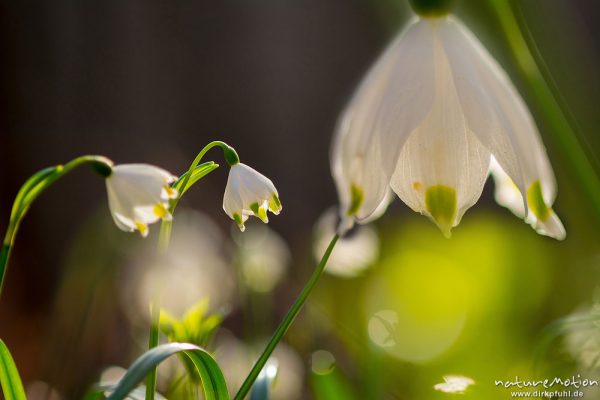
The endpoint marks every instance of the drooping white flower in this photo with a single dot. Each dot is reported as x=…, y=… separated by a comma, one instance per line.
x=247, y=193
x=138, y=195
x=425, y=123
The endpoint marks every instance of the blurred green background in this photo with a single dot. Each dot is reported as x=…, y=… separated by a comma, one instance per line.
x=402, y=307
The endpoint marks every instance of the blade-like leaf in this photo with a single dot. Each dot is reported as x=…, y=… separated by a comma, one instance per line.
x=199, y=172
x=12, y=388
x=211, y=375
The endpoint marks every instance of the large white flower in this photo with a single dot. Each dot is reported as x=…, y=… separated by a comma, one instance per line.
x=426, y=122
x=138, y=195
x=248, y=192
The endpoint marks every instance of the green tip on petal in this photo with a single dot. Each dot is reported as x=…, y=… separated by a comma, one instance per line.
x=536, y=203
x=357, y=196
x=275, y=204
x=440, y=201
x=260, y=212
x=239, y=221
x=142, y=228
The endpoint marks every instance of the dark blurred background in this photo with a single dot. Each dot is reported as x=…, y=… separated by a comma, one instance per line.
x=154, y=81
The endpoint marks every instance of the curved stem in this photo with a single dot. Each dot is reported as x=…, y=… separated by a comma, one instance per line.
x=31, y=190
x=230, y=156
x=287, y=321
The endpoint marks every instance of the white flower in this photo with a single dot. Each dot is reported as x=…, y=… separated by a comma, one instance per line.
x=249, y=193
x=426, y=123
x=138, y=195
x=352, y=254
x=454, y=384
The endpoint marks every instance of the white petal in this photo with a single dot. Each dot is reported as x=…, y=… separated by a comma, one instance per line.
x=551, y=227
x=388, y=104
x=145, y=214
x=232, y=202
x=123, y=223
x=499, y=117
x=496, y=112
x=121, y=210
x=143, y=171
x=506, y=193
x=442, y=157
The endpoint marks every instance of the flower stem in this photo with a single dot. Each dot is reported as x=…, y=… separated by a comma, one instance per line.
x=287, y=321
x=554, y=112
x=31, y=189
x=152, y=343
x=164, y=240
x=230, y=156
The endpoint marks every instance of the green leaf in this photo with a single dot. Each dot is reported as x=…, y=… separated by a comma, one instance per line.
x=12, y=388
x=199, y=172
x=211, y=375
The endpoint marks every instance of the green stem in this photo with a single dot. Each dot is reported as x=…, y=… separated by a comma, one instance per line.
x=4, y=256
x=152, y=343
x=230, y=156
x=31, y=190
x=549, y=104
x=285, y=324
x=164, y=239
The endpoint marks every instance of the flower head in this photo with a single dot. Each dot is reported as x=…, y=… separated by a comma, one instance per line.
x=427, y=121
x=138, y=195
x=249, y=193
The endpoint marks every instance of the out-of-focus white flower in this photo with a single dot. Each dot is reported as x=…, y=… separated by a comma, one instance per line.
x=247, y=193
x=263, y=258
x=138, y=195
x=39, y=390
x=236, y=359
x=194, y=267
x=426, y=122
x=454, y=384
x=352, y=254
x=582, y=337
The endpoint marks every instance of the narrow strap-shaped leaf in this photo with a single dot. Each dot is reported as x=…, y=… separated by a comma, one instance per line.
x=199, y=172
x=12, y=388
x=213, y=381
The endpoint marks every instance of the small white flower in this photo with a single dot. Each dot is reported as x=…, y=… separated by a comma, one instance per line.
x=249, y=193
x=138, y=195
x=426, y=123
x=454, y=384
